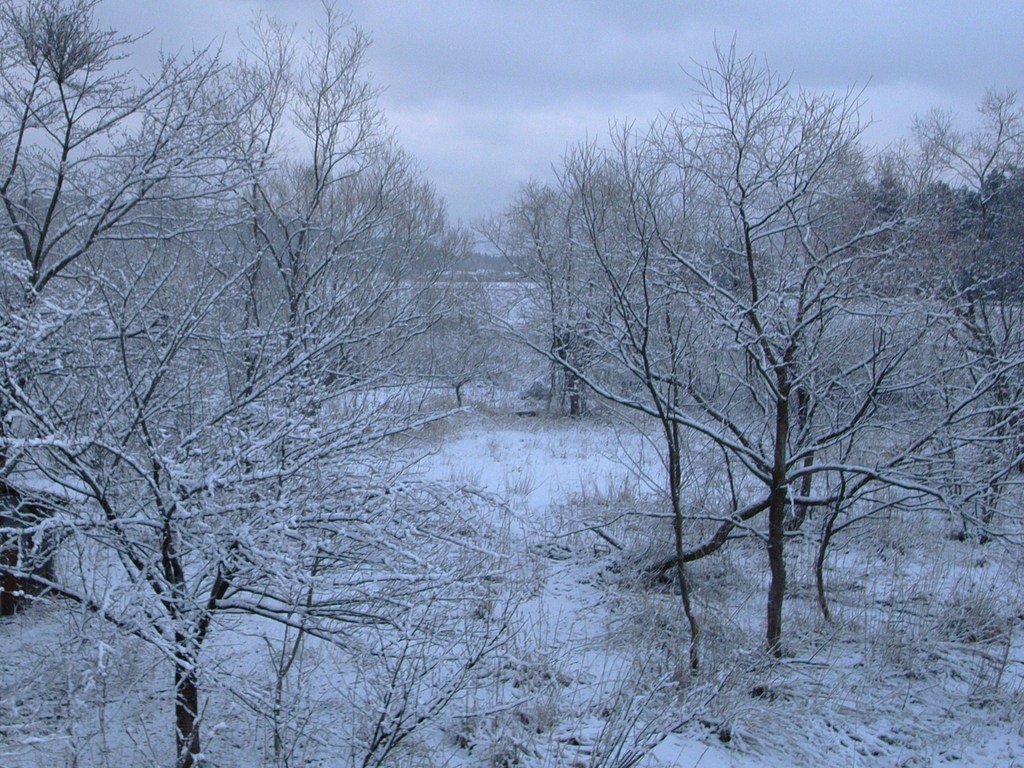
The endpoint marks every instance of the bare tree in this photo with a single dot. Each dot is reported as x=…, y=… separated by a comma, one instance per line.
x=740, y=260
x=648, y=332
x=464, y=346
x=536, y=237
x=90, y=153
x=220, y=379
x=344, y=231
x=981, y=239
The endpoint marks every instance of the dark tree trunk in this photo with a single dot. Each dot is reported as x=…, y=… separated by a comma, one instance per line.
x=684, y=591
x=777, y=567
x=575, y=401
x=10, y=587
x=186, y=712
x=819, y=562
x=777, y=522
x=800, y=510
x=991, y=499
x=22, y=551
x=803, y=416
x=675, y=475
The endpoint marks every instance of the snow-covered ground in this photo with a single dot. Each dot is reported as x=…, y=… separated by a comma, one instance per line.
x=923, y=663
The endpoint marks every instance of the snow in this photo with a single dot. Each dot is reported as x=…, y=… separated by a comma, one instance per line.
x=923, y=664
x=841, y=701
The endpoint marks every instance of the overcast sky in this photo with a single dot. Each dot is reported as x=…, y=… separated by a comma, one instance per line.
x=489, y=93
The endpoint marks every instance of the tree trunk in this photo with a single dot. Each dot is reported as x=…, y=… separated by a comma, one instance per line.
x=684, y=590
x=819, y=563
x=800, y=509
x=990, y=499
x=777, y=522
x=675, y=489
x=575, y=400
x=803, y=415
x=22, y=552
x=10, y=587
x=186, y=712
x=777, y=566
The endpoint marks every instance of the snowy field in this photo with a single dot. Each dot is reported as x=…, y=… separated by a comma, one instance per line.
x=922, y=663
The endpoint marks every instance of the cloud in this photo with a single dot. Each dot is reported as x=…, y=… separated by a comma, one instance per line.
x=489, y=92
